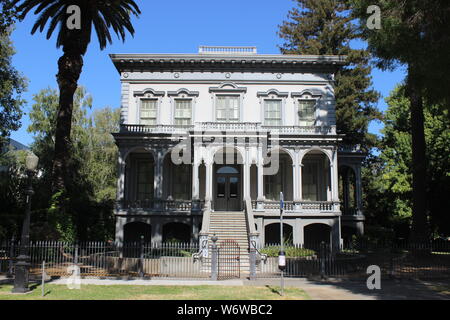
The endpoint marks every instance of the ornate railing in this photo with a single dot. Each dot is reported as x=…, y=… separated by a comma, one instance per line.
x=158, y=205
x=227, y=126
x=300, y=129
x=299, y=206
x=159, y=128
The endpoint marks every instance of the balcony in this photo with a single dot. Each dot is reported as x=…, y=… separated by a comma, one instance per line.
x=160, y=205
x=307, y=207
x=227, y=126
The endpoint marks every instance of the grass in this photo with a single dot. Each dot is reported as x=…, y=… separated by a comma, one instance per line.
x=131, y=292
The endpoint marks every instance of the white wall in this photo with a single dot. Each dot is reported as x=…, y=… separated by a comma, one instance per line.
x=204, y=104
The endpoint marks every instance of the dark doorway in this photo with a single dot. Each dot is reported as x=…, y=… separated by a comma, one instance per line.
x=228, y=195
x=134, y=230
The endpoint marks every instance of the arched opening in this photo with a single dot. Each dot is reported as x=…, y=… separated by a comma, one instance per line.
x=315, y=234
x=228, y=182
x=139, y=177
x=278, y=175
x=177, y=179
x=272, y=234
x=347, y=234
x=133, y=231
x=347, y=189
x=316, y=184
x=176, y=232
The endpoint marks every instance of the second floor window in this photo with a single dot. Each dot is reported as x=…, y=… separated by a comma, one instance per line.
x=183, y=111
x=306, y=110
x=272, y=112
x=148, y=111
x=227, y=108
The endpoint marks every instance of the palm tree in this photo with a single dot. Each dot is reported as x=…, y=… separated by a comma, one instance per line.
x=101, y=15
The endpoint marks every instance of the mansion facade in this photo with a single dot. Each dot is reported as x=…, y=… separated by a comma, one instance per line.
x=210, y=137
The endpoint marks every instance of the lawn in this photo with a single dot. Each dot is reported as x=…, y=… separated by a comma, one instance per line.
x=131, y=292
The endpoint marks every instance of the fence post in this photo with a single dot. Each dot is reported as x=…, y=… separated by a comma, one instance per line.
x=141, y=258
x=214, y=254
x=322, y=255
x=11, y=258
x=75, y=259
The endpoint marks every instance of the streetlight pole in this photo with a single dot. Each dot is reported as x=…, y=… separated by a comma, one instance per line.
x=21, y=269
x=282, y=254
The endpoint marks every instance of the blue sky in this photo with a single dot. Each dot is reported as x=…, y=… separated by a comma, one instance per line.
x=171, y=26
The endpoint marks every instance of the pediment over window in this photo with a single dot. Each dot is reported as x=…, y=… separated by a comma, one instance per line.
x=147, y=93
x=307, y=94
x=228, y=87
x=183, y=93
x=272, y=92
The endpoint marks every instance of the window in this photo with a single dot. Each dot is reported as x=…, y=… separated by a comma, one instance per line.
x=148, y=111
x=183, y=111
x=144, y=180
x=306, y=111
x=227, y=108
x=272, y=112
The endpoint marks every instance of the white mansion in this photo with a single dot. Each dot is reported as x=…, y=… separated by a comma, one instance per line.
x=208, y=141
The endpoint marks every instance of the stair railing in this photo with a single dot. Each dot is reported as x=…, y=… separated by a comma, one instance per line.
x=253, y=235
x=204, y=233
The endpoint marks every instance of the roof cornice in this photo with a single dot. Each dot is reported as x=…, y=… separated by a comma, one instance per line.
x=216, y=62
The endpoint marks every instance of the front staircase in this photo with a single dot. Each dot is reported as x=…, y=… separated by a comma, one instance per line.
x=228, y=225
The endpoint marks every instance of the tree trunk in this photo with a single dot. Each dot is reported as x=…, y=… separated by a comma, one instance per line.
x=419, y=230
x=69, y=70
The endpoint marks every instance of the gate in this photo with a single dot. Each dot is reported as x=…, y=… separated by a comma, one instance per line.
x=229, y=265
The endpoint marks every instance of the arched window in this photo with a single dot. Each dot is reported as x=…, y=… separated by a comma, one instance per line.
x=228, y=169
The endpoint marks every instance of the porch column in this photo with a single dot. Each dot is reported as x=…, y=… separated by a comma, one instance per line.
x=209, y=184
x=336, y=234
x=260, y=181
x=157, y=235
x=246, y=175
x=195, y=182
x=158, y=180
x=358, y=189
x=121, y=181
x=297, y=183
x=334, y=177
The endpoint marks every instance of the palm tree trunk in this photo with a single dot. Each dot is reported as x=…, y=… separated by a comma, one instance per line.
x=419, y=230
x=69, y=69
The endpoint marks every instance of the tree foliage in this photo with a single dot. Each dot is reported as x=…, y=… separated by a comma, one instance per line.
x=414, y=33
x=99, y=16
x=12, y=83
x=91, y=194
x=388, y=196
x=324, y=27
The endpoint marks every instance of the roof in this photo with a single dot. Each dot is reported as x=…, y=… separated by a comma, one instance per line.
x=232, y=61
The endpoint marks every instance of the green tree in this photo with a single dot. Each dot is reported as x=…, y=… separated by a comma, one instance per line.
x=414, y=33
x=325, y=27
x=100, y=15
x=12, y=83
x=389, y=194
x=91, y=192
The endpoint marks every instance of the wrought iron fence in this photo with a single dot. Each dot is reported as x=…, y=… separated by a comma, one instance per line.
x=401, y=260
x=185, y=260
x=105, y=259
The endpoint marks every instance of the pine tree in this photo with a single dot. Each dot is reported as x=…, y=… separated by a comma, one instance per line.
x=324, y=27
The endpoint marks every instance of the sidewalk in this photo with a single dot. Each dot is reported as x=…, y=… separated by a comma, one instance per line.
x=332, y=289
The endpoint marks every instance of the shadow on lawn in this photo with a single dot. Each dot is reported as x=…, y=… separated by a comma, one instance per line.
x=391, y=289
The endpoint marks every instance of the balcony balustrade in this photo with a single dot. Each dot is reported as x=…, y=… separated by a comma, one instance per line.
x=227, y=126
x=160, y=205
x=299, y=206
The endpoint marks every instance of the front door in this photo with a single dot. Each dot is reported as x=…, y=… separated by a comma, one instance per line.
x=228, y=189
